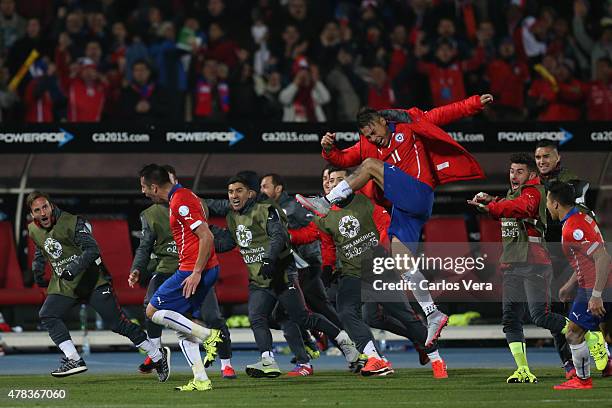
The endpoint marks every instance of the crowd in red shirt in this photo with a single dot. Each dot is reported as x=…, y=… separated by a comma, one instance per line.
x=219, y=60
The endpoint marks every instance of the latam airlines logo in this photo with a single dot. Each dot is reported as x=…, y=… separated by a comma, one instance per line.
x=562, y=136
x=61, y=138
x=231, y=137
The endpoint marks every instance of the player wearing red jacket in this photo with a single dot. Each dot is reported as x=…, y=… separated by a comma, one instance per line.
x=358, y=228
x=407, y=155
x=526, y=265
x=585, y=249
x=184, y=292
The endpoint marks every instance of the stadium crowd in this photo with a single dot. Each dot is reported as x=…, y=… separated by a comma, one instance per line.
x=302, y=60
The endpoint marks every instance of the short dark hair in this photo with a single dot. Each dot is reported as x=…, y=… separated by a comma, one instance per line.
x=524, y=158
x=35, y=195
x=154, y=174
x=251, y=178
x=547, y=143
x=327, y=167
x=562, y=192
x=367, y=115
x=334, y=169
x=141, y=61
x=276, y=179
x=238, y=179
x=169, y=169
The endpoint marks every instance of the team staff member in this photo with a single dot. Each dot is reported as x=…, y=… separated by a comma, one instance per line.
x=273, y=186
x=259, y=229
x=66, y=242
x=526, y=265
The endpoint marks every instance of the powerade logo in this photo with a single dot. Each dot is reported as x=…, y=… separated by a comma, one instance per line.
x=605, y=136
x=61, y=138
x=347, y=136
x=562, y=136
x=232, y=137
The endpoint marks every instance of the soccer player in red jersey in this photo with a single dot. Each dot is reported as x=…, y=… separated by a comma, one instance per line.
x=198, y=270
x=406, y=155
x=584, y=247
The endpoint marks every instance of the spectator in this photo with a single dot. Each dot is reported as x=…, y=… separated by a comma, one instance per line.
x=557, y=98
x=398, y=57
x=508, y=77
x=380, y=93
x=243, y=98
x=7, y=97
x=43, y=97
x=599, y=92
x=327, y=47
x=304, y=96
x=211, y=98
x=143, y=99
x=447, y=32
x=220, y=47
x=33, y=40
x=291, y=47
x=93, y=51
x=86, y=90
x=348, y=88
x=172, y=75
x=446, y=73
x=372, y=49
x=298, y=15
x=268, y=89
x=97, y=30
x=594, y=50
x=76, y=32
x=12, y=25
x=262, y=58
x=530, y=36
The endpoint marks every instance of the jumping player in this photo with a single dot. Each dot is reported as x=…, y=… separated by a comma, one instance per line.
x=407, y=155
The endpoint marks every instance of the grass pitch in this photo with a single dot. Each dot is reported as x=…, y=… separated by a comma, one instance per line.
x=471, y=388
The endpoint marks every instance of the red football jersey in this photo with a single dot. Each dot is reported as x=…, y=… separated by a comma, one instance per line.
x=580, y=238
x=186, y=214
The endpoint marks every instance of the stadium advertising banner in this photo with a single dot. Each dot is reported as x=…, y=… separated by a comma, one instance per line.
x=279, y=137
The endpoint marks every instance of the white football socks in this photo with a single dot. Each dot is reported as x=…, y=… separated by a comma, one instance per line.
x=69, y=350
x=370, y=350
x=434, y=356
x=581, y=358
x=225, y=362
x=151, y=349
x=191, y=351
x=156, y=341
x=178, y=322
x=421, y=295
x=340, y=192
x=267, y=354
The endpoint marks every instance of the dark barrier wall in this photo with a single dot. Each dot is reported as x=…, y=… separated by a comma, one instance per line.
x=279, y=137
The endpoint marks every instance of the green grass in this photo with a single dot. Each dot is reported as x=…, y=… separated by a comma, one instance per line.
x=471, y=388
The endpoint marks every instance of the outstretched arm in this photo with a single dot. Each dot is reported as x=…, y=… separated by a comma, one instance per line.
x=452, y=112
